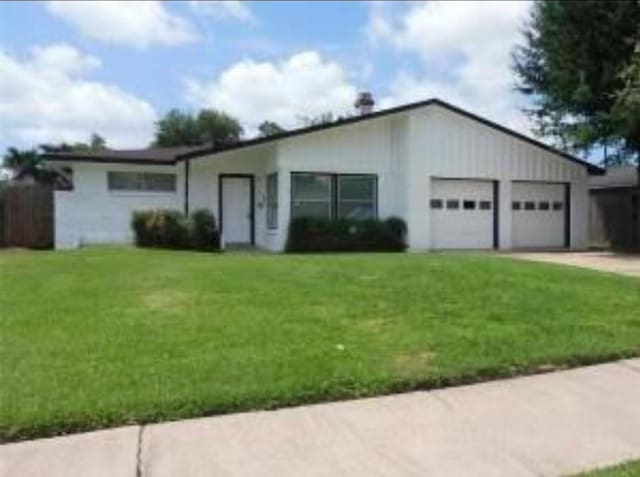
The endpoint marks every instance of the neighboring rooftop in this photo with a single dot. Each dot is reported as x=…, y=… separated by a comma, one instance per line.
x=149, y=155
x=616, y=177
x=171, y=155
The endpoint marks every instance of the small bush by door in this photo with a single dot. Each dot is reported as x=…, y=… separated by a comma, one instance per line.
x=164, y=228
x=308, y=234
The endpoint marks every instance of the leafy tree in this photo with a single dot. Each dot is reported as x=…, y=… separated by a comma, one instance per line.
x=269, y=128
x=216, y=127
x=626, y=108
x=178, y=128
x=17, y=160
x=30, y=161
x=324, y=118
x=96, y=143
x=571, y=63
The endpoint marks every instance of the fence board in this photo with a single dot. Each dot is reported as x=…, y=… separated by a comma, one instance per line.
x=27, y=216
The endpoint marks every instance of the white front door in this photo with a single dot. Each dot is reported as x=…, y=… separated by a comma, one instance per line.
x=236, y=212
x=462, y=214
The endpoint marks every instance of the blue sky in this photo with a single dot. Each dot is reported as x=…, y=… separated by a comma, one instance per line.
x=70, y=68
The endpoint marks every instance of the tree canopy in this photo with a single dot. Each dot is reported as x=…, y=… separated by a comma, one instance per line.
x=269, y=128
x=179, y=128
x=30, y=161
x=96, y=143
x=578, y=63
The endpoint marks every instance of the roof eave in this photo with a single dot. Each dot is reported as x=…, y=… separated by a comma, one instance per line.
x=108, y=160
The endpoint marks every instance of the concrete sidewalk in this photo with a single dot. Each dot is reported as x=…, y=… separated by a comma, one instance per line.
x=552, y=424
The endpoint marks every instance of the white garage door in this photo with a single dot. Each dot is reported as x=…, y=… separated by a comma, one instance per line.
x=538, y=215
x=461, y=214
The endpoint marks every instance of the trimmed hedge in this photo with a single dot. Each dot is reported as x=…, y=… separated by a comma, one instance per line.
x=308, y=234
x=165, y=228
x=203, y=231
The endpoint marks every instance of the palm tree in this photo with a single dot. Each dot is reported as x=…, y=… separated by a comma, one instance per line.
x=22, y=162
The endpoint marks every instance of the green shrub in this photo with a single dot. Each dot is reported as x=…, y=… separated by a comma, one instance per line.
x=203, y=231
x=307, y=234
x=141, y=231
x=170, y=229
x=160, y=228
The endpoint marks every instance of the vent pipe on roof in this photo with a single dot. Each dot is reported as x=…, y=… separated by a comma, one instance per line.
x=364, y=103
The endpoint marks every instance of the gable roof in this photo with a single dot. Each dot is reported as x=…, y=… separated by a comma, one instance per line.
x=173, y=155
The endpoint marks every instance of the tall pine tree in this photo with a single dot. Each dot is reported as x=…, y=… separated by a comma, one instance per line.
x=572, y=64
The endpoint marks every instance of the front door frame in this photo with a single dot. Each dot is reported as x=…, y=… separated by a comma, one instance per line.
x=252, y=212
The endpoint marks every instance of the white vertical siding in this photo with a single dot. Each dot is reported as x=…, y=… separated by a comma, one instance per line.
x=405, y=150
x=371, y=147
x=445, y=144
x=204, y=180
x=90, y=213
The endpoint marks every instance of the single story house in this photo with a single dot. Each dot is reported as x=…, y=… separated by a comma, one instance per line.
x=614, y=219
x=458, y=180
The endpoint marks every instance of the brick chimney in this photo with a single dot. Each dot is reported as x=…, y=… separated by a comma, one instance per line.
x=364, y=103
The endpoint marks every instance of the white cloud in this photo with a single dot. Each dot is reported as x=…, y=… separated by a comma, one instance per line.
x=465, y=51
x=135, y=23
x=46, y=98
x=302, y=85
x=224, y=9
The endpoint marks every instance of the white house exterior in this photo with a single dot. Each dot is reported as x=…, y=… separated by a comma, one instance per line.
x=458, y=181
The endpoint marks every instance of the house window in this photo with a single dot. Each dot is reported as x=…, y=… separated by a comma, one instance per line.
x=485, y=205
x=469, y=204
x=329, y=196
x=356, y=196
x=557, y=206
x=529, y=205
x=141, y=181
x=436, y=203
x=543, y=205
x=515, y=205
x=272, y=201
x=311, y=195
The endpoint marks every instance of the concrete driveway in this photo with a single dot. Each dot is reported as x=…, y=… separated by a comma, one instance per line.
x=547, y=425
x=625, y=264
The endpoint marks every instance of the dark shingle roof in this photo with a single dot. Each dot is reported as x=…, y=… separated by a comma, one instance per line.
x=146, y=156
x=149, y=155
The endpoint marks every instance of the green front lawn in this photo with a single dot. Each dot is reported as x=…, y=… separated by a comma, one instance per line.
x=107, y=336
x=629, y=469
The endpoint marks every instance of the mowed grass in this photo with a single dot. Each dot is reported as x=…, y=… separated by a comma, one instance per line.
x=628, y=469
x=103, y=337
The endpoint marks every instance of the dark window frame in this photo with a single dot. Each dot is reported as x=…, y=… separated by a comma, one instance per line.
x=334, y=191
x=272, y=189
x=144, y=181
x=339, y=200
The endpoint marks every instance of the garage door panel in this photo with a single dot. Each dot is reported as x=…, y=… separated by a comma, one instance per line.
x=538, y=215
x=461, y=214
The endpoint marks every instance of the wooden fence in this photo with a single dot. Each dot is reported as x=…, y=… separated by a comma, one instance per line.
x=614, y=220
x=26, y=216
